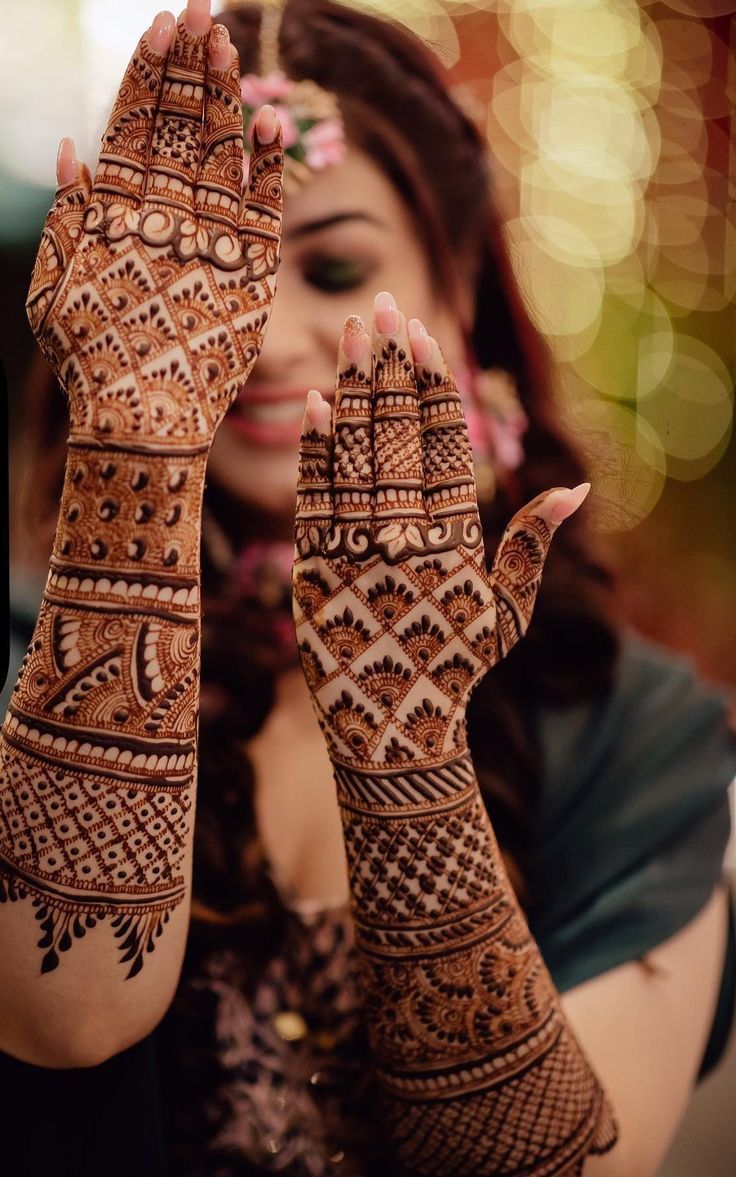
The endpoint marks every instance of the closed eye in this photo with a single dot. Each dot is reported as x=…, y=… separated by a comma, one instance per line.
x=335, y=273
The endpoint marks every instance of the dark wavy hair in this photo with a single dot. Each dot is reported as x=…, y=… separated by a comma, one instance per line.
x=397, y=108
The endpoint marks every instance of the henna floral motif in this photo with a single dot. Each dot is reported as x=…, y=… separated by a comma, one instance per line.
x=481, y=1073
x=150, y=296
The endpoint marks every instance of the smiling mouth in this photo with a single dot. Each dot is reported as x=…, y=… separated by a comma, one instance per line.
x=272, y=420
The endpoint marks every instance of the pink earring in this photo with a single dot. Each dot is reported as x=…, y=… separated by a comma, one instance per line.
x=496, y=422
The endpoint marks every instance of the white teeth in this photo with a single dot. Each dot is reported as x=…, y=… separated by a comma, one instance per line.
x=275, y=413
x=180, y=597
x=111, y=754
x=120, y=588
x=125, y=757
x=103, y=586
x=165, y=594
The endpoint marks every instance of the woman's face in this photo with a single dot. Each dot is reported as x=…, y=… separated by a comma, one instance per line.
x=346, y=235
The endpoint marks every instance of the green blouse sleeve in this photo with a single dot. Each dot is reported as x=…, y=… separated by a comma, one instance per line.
x=634, y=817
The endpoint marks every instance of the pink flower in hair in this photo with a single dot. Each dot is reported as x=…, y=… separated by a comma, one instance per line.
x=324, y=143
x=254, y=90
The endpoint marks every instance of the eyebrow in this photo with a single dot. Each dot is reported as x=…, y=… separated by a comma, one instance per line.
x=335, y=219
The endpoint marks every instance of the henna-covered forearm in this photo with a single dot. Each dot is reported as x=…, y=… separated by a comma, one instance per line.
x=98, y=746
x=481, y=1071
x=397, y=619
x=150, y=297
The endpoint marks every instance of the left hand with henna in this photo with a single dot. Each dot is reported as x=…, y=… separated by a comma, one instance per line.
x=397, y=619
x=396, y=605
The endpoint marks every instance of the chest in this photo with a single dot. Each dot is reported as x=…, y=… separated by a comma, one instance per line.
x=296, y=803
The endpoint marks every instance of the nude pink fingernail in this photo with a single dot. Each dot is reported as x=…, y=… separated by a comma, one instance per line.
x=419, y=339
x=266, y=124
x=198, y=17
x=566, y=507
x=317, y=414
x=161, y=32
x=66, y=162
x=385, y=313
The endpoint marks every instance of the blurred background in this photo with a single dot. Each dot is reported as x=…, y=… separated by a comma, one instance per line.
x=611, y=123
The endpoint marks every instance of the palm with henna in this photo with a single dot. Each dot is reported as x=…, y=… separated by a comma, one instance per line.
x=150, y=298
x=397, y=620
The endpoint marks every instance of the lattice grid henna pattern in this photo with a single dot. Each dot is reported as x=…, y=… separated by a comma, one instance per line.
x=458, y=1001
x=99, y=743
x=397, y=619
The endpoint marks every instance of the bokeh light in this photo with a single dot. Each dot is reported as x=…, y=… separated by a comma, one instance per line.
x=611, y=132
x=610, y=125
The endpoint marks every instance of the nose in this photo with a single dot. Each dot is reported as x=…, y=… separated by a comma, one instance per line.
x=290, y=345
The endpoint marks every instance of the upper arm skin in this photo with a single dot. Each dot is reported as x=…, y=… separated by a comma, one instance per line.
x=644, y=1030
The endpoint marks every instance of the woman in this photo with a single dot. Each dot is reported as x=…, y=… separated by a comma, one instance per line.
x=601, y=764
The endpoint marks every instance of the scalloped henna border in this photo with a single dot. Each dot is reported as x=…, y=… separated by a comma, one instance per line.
x=394, y=540
x=189, y=240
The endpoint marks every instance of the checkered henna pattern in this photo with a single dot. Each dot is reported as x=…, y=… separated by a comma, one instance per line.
x=150, y=298
x=397, y=619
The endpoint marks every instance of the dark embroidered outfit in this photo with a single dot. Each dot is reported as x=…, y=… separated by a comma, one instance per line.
x=279, y=1081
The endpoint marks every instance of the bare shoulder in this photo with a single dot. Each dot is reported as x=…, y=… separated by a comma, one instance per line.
x=644, y=1027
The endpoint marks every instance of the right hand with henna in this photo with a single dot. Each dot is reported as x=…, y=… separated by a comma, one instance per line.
x=153, y=283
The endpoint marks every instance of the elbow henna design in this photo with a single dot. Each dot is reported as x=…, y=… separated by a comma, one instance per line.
x=397, y=619
x=150, y=297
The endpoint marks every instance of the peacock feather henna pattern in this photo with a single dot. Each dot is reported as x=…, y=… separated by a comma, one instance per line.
x=397, y=620
x=150, y=296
